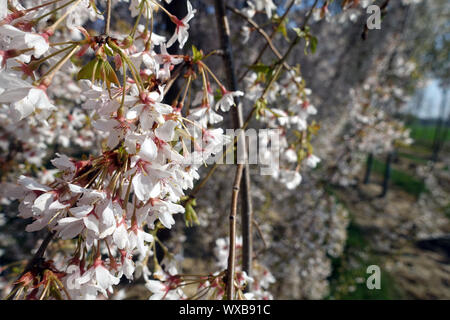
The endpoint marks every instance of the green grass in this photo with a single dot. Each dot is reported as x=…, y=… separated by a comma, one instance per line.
x=413, y=157
x=349, y=271
x=424, y=133
x=401, y=179
x=352, y=266
x=421, y=150
x=447, y=210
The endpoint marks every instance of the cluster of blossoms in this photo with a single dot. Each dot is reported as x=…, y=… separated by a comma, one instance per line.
x=109, y=203
x=369, y=128
x=292, y=146
x=290, y=92
x=173, y=286
x=429, y=220
x=296, y=131
x=31, y=140
x=351, y=10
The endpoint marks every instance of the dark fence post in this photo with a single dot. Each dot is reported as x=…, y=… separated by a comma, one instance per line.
x=369, y=165
x=387, y=174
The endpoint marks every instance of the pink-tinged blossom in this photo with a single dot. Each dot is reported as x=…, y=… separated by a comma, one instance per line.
x=290, y=178
x=312, y=161
x=3, y=9
x=127, y=266
x=150, y=110
x=135, y=7
x=163, y=291
x=81, y=217
x=100, y=276
x=266, y=5
x=120, y=235
x=168, y=61
x=40, y=202
x=23, y=97
x=162, y=210
x=116, y=129
x=181, y=31
x=137, y=239
x=19, y=40
x=166, y=131
x=32, y=185
x=204, y=114
x=65, y=165
x=145, y=186
x=227, y=100
x=148, y=150
x=291, y=155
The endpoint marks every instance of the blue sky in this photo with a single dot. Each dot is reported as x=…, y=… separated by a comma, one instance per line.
x=431, y=102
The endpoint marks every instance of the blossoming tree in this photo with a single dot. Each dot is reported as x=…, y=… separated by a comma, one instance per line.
x=105, y=92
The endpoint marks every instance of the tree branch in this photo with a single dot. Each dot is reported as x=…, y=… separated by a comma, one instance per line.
x=247, y=207
x=232, y=243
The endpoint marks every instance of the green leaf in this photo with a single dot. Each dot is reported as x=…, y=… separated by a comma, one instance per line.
x=260, y=68
x=311, y=41
x=109, y=74
x=88, y=69
x=260, y=105
x=108, y=50
x=282, y=28
x=299, y=32
x=190, y=214
x=197, y=55
x=301, y=154
x=313, y=45
x=217, y=95
x=103, y=71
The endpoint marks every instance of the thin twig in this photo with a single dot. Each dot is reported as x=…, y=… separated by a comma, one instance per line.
x=232, y=245
x=308, y=16
x=174, y=77
x=261, y=235
x=47, y=78
x=262, y=32
x=37, y=256
x=52, y=28
x=108, y=17
x=272, y=35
